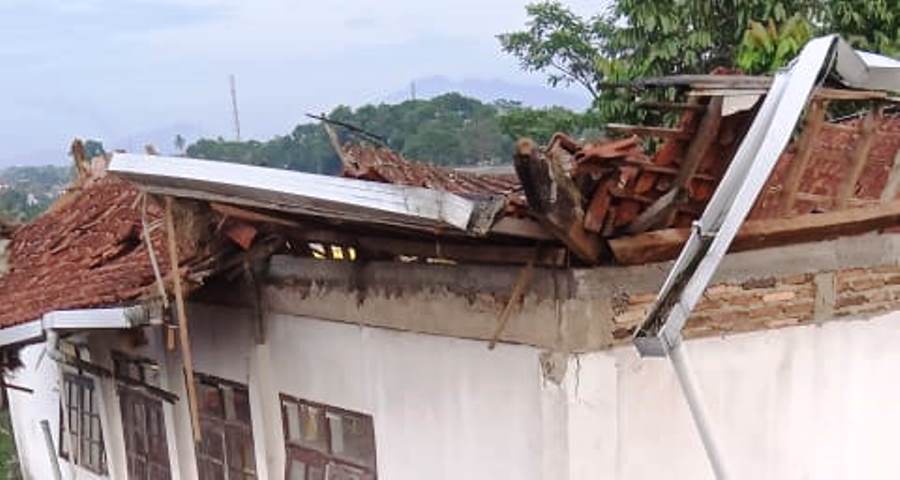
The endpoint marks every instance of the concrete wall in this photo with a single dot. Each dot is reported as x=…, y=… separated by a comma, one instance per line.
x=801, y=402
x=813, y=401
x=443, y=408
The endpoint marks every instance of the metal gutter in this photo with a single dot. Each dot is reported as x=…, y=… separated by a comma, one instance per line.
x=85, y=319
x=321, y=196
x=788, y=96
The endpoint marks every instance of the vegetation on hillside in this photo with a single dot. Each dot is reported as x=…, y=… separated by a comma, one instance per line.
x=25, y=192
x=450, y=130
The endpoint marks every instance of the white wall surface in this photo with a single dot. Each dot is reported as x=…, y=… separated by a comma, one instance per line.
x=443, y=408
x=28, y=409
x=814, y=402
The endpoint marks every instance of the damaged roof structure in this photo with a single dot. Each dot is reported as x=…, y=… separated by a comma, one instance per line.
x=588, y=221
x=609, y=202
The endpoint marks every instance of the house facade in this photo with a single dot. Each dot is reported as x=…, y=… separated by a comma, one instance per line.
x=175, y=318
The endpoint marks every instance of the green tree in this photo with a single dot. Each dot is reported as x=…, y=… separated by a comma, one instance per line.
x=765, y=49
x=634, y=38
x=450, y=129
x=93, y=148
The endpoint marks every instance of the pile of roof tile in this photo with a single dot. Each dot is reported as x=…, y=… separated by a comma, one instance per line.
x=86, y=251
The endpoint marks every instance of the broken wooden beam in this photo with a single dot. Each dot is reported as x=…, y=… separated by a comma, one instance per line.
x=186, y=356
x=661, y=245
x=523, y=281
x=554, y=199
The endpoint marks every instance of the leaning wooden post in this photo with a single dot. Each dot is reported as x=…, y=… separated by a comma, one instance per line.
x=182, y=323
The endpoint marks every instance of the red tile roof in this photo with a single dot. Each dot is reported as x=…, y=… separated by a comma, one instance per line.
x=384, y=165
x=86, y=252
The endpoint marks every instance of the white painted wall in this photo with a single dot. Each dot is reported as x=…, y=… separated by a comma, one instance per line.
x=816, y=402
x=813, y=402
x=443, y=408
x=27, y=410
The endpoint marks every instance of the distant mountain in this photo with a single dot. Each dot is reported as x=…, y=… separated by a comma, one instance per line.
x=488, y=90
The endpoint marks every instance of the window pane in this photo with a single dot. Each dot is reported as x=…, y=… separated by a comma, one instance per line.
x=293, y=421
x=297, y=471
x=241, y=405
x=210, y=401
x=313, y=432
x=353, y=438
x=343, y=472
x=240, y=449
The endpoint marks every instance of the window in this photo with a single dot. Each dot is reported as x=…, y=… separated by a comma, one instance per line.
x=80, y=430
x=226, y=451
x=327, y=443
x=143, y=423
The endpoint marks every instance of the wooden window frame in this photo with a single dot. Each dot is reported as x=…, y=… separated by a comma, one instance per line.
x=324, y=457
x=80, y=418
x=220, y=426
x=150, y=426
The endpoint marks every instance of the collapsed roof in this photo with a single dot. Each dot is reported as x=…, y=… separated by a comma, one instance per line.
x=612, y=201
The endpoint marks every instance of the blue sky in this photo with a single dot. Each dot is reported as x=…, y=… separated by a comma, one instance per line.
x=122, y=69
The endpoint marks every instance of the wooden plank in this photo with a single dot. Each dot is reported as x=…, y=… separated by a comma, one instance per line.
x=661, y=245
x=598, y=207
x=815, y=117
x=847, y=94
x=826, y=202
x=523, y=280
x=663, y=209
x=252, y=215
x=654, y=213
x=841, y=127
x=646, y=131
x=183, y=335
x=819, y=94
x=699, y=107
x=860, y=158
x=889, y=193
x=521, y=227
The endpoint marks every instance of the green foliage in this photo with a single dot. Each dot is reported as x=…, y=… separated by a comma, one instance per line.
x=765, y=49
x=540, y=124
x=25, y=192
x=450, y=129
x=635, y=38
x=93, y=148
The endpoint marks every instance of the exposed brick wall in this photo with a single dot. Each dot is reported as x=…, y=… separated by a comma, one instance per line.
x=864, y=291
x=770, y=302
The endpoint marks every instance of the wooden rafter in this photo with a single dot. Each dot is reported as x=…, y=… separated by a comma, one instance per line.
x=860, y=158
x=889, y=193
x=663, y=210
x=815, y=118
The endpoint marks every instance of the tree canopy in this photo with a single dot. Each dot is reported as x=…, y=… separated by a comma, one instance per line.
x=634, y=38
x=450, y=130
